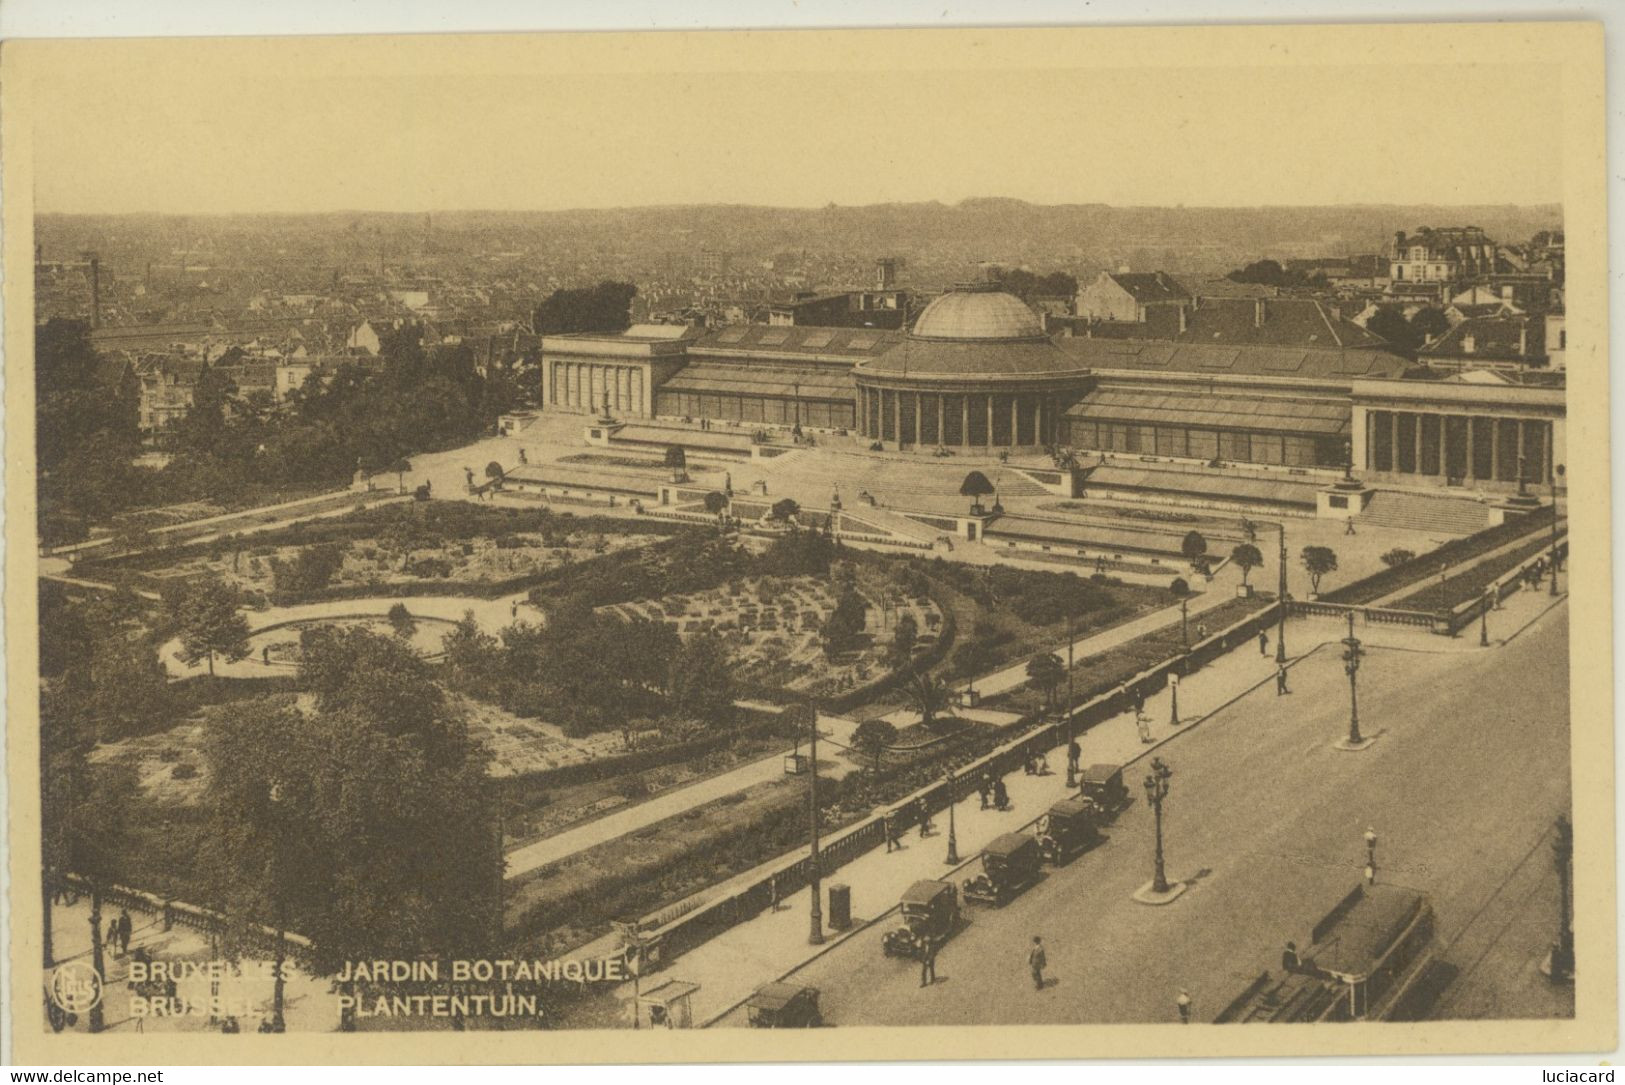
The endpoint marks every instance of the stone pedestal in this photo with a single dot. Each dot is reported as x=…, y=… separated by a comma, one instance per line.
x=1343, y=500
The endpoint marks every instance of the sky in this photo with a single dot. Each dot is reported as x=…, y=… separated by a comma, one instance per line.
x=592, y=121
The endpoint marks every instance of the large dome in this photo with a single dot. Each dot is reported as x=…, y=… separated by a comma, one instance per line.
x=977, y=311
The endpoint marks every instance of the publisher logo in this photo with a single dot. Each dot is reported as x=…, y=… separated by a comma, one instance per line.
x=76, y=987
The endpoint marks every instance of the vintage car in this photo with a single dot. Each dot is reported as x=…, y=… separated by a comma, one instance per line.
x=1071, y=826
x=930, y=911
x=1009, y=865
x=1104, y=785
x=784, y=1005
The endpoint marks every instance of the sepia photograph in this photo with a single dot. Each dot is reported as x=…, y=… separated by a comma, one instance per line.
x=620, y=542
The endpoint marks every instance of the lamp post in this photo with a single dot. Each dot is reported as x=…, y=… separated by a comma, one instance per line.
x=1071, y=767
x=276, y=796
x=1184, y=624
x=1370, y=855
x=1484, y=619
x=1352, y=652
x=1562, y=960
x=1557, y=473
x=1156, y=790
x=1173, y=699
x=953, y=837
x=815, y=932
x=1280, y=632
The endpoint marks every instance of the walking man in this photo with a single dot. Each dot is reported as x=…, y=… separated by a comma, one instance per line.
x=925, y=817
x=125, y=929
x=1074, y=754
x=1280, y=680
x=1183, y=1003
x=984, y=790
x=1348, y=528
x=1263, y=643
x=513, y=611
x=1143, y=723
x=1001, y=795
x=892, y=843
x=928, y=961
x=1036, y=962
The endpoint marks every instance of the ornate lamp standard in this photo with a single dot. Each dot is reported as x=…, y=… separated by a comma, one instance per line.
x=953, y=837
x=1184, y=624
x=1173, y=699
x=1557, y=473
x=1280, y=595
x=1561, y=965
x=1352, y=654
x=1156, y=790
x=815, y=933
x=1484, y=618
x=1370, y=855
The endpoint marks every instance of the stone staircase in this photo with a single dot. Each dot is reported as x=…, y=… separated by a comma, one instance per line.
x=1439, y=514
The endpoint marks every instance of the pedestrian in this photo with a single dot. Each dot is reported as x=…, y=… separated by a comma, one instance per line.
x=925, y=817
x=928, y=961
x=513, y=611
x=1036, y=962
x=1183, y=1003
x=265, y=655
x=1348, y=526
x=111, y=941
x=1139, y=702
x=1001, y=796
x=125, y=929
x=522, y=457
x=1263, y=643
x=984, y=790
x=1074, y=753
x=1142, y=723
x=1201, y=631
x=1280, y=680
x=890, y=826
x=1290, y=961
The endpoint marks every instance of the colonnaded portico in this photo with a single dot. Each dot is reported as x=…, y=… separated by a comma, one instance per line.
x=1464, y=433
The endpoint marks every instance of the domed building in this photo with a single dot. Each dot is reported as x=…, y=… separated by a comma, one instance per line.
x=975, y=371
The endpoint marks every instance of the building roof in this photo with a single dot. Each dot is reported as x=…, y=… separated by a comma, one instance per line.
x=1506, y=337
x=1018, y=359
x=1275, y=414
x=715, y=378
x=1247, y=360
x=978, y=311
x=1147, y=287
x=856, y=343
x=1354, y=936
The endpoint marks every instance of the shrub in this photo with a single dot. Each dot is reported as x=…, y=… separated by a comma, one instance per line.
x=1179, y=588
x=184, y=771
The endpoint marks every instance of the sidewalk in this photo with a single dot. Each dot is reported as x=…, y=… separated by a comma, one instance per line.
x=550, y=849
x=1461, y=567
x=732, y=965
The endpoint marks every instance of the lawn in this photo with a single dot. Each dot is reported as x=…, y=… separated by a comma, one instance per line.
x=1458, y=589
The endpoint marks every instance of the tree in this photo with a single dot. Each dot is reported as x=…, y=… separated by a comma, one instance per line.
x=928, y=695
x=871, y=738
x=1389, y=323
x=1249, y=530
x=493, y=471
x=606, y=307
x=1246, y=557
x=400, y=467
x=701, y=682
x=1318, y=561
x=1429, y=324
x=976, y=486
x=677, y=460
x=845, y=623
x=401, y=620
x=1194, y=547
x=785, y=509
x=1265, y=272
x=903, y=640
x=1397, y=556
x=715, y=503
x=205, y=611
x=1046, y=671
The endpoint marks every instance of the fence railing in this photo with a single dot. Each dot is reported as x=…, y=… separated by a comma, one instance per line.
x=678, y=935
x=180, y=913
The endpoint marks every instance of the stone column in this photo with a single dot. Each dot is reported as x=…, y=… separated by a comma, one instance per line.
x=1495, y=450
x=1418, y=443
x=897, y=415
x=964, y=422
x=1015, y=419
x=1472, y=447
x=1523, y=464
x=990, y=420
x=1038, y=422
x=942, y=418
x=1393, y=441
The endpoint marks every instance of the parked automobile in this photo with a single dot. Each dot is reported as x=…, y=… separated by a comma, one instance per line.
x=1072, y=826
x=930, y=910
x=1009, y=865
x=1103, y=784
x=784, y=1005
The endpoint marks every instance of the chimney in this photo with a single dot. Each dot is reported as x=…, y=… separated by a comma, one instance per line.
x=1258, y=312
x=1399, y=243
x=885, y=273
x=1523, y=338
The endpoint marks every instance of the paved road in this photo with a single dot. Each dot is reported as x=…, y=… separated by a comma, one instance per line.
x=1264, y=822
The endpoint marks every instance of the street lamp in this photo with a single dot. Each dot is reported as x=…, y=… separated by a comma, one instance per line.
x=1352, y=653
x=1557, y=473
x=1184, y=627
x=1484, y=618
x=1173, y=699
x=1156, y=790
x=1370, y=855
x=815, y=933
x=953, y=837
x=276, y=797
x=1280, y=632
x=1562, y=959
